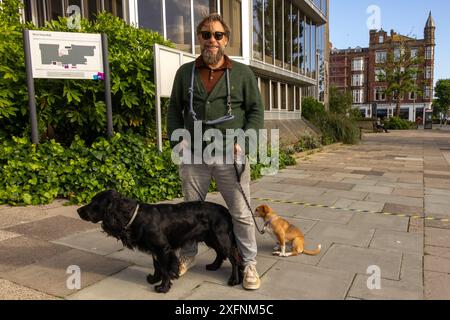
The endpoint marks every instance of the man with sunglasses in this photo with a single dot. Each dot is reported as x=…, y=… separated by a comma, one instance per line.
x=223, y=94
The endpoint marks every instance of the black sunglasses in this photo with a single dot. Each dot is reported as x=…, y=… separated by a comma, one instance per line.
x=206, y=35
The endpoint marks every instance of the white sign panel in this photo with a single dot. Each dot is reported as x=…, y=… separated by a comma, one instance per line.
x=66, y=55
x=167, y=62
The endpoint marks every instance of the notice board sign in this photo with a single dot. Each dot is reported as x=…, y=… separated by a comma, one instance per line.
x=66, y=55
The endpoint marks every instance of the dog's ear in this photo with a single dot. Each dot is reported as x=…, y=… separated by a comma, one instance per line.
x=265, y=208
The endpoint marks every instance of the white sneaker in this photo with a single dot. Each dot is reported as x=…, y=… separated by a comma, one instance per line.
x=251, y=278
x=185, y=264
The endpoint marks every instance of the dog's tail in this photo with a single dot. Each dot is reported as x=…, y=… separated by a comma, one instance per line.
x=313, y=252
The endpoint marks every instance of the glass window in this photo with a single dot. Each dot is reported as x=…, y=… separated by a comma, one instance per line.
x=55, y=9
x=93, y=7
x=279, y=33
x=258, y=43
x=428, y=72
x=283, y=88
x=232, y=14
x=357, y=80
x=275, y=94
x=265, y=93
x=298, y=98
x=295, y=41
x=429, y=53
x=380, y=95
x=381, y=39
x=115, y=7
x=302, y=39
x=150, y=15
x=313, y=51
x=358, y=64
x=179, y=23
x=414, y=52
x=358, y=96
x=287, y=36
x=202, y=8
x=268, y=31
x=291, y=97
x=307, y=48
x=380, y=56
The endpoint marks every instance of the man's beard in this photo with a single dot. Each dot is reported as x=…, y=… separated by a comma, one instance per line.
x=211, y=58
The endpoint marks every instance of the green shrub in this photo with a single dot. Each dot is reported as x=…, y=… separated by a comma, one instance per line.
x=67, y=108
x=396, y=123
x=127, y=163
x=337, y=128
x=311, y=108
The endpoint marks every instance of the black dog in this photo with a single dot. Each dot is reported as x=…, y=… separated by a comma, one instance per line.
x=160, y=229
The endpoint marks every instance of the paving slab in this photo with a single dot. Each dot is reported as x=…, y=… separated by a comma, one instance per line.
x=131, y=284
x=390, y=290
x=94, y=241
x=401, y=200
x=12, y=291
x=357, y=260
x=52, y=228
x=343, y=234
x=22, y=251
x=437, y=251
x=437, y=286
x=378, y=221
x=324, y=215
x=50, y=275
x=398, y=241
x=5, y=235
x=198, y=272
x=402, y=209
x=373, y=189
x=437, y=237
x=213, y=291
x=436, y=264
x=412, y=269
x=335, y=185
x=10, y=216
x=310, y=282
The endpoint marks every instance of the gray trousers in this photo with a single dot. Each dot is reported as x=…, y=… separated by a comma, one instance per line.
x=196, y=179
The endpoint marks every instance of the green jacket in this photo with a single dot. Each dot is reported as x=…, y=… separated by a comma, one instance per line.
x=247, y=105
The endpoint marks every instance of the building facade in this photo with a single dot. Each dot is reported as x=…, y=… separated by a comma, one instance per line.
x=355, y=70
x=285, y=42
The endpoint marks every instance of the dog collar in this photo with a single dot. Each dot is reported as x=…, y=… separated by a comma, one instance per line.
x=266, y=224
x=133, y=217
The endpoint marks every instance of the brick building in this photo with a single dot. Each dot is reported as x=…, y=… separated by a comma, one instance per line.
x=354, y=70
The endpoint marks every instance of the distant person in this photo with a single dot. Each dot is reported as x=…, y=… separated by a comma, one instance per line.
x=380, y=125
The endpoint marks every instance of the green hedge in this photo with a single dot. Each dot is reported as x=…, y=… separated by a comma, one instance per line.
x=67, y=108
x=127, y=163
x=396, y=123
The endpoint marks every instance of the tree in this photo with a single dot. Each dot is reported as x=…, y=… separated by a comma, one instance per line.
x=442, y=92
x=400, y=72
x=340, y=103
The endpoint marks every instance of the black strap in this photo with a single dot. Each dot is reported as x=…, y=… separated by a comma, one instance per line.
x=223, y=119
x=238, y=176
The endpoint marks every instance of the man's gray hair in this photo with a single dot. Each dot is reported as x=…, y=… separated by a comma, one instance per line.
x=212, y=18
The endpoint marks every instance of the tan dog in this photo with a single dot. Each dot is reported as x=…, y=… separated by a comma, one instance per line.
x=284, y=232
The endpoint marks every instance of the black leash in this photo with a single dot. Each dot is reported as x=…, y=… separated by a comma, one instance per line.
x=238, y=176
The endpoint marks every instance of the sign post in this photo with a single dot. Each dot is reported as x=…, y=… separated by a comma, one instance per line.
x=30, y=84
x=65, y=55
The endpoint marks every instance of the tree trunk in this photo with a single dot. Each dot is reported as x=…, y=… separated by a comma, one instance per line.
x=397, y=109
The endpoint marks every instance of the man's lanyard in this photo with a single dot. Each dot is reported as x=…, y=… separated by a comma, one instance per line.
x=225, y=118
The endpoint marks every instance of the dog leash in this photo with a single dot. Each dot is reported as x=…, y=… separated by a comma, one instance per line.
x=238, y=176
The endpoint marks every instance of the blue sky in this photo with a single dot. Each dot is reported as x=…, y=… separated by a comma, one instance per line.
x=348, y=24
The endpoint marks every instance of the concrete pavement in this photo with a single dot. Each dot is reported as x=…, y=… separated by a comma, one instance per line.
x=383, y=203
